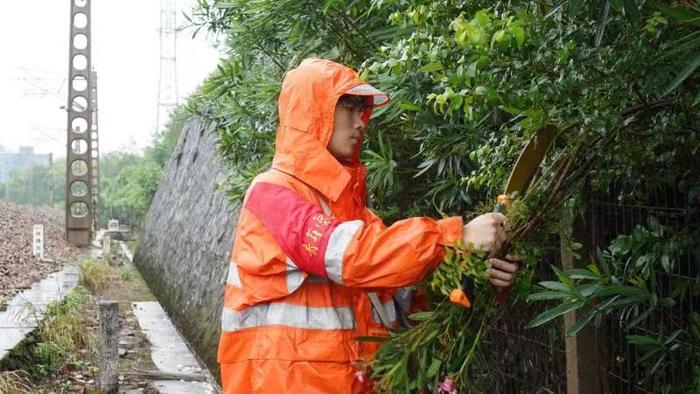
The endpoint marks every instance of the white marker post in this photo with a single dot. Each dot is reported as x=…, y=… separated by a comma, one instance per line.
x=38, y=244
x=106, y=245
x=113, y=225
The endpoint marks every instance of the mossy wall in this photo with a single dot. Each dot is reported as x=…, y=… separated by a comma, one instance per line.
x=185, y=246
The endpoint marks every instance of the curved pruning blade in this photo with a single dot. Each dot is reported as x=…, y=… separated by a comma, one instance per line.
x=530, y=159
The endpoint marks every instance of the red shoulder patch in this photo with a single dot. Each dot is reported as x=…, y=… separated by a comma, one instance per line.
x=300, y=228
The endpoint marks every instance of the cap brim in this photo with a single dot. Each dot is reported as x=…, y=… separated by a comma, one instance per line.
x=379, y=98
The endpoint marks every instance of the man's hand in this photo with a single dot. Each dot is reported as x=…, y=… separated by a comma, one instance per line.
x=485, y=232
x=502, y=272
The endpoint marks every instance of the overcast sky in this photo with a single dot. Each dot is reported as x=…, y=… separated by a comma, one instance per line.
x=34, y=38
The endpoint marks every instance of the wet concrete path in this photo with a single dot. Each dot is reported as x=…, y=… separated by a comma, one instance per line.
x=26, y=309
x=169, y=351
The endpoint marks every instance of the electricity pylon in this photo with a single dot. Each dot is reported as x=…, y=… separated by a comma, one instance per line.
x=167, y=81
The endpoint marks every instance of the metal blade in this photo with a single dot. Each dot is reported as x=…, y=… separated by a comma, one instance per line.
x=530, y=159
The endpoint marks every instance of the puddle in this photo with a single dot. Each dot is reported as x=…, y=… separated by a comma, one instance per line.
x=26, y=309
x=169, y=351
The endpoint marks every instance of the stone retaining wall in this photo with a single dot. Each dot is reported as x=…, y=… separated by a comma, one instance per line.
x=185, y=245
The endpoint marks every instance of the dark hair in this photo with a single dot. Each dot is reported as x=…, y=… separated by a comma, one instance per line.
x=353, y=101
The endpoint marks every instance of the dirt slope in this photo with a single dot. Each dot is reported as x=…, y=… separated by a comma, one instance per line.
x=18, y=268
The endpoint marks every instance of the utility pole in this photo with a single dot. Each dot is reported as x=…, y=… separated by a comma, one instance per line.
x=167, y=81
x=79, y=202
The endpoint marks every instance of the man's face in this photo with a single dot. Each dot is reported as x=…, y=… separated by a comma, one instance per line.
x=348, y=129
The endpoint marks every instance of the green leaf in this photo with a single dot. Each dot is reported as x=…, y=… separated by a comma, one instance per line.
x=573, y=7
x=552, y=314
x=431, y=67
x=408, y=106
x=519, y=33
x=641, y=340
x=563, y=278
x=651, y=353
x=616, y=5
x=588, y=289
x=631, y=9
x=642, y=316
x=557, y=286
x=581, y=323
x=620, y=290
x=548, y=295
x=434, y=368
x=482, y=18
x=682, y=14
x=421, y=316
x=498, y=36
x=683, y=75
x=659, y=362
x=581, y=273
x=672, y=337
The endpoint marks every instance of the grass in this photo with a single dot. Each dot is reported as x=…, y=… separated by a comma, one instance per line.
x=16, y=382
x=94, y=274
x=58, y=341
x=62, y=333
x=126, y=274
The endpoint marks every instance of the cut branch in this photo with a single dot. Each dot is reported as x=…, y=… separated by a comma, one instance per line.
x=164, y=375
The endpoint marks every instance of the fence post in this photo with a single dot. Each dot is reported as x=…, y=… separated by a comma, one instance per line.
x=108, y=359
x=583, y=356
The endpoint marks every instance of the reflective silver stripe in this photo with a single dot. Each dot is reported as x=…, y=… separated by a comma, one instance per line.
x=404, y=298
x=337, y=243
x=294, y=276
x=326, y=208
x=389, y=310
x=289, y=315
x=233, y=278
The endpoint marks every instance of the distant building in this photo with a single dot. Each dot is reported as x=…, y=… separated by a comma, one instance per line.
x=26, y=158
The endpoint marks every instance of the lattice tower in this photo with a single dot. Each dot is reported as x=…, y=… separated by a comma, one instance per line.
x=167, y=81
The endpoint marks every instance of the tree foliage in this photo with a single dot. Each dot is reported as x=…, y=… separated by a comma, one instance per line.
x=128, y=181
x=30, y=186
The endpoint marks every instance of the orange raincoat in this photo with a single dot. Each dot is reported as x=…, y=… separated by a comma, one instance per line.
x=307, y=253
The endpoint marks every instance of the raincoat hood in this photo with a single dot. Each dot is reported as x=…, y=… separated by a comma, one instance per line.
x=306, y=104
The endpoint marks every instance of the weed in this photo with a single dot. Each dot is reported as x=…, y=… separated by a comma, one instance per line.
x=65, y=330
x=126, y=274
x=16, y=382
x=62, y=332
x=94, y=274
x=70, y=304
x=49, y=356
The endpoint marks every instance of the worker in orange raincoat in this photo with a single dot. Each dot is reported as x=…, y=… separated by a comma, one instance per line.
x=312, y=268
